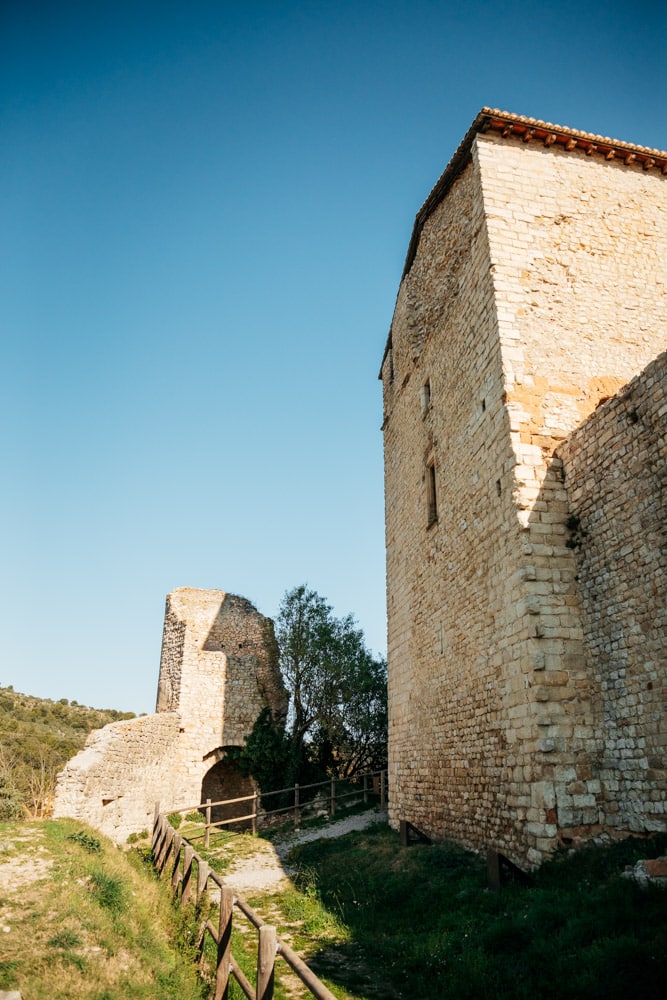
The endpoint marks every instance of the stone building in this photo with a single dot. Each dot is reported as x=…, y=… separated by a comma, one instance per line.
x=526, y=494
x=218, y=671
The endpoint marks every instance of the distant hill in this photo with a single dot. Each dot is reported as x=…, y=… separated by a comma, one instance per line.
x=37, y=738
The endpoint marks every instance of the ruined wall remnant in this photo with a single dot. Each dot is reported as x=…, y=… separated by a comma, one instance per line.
x=615, y=471
x=218, y=671
x=534, y=289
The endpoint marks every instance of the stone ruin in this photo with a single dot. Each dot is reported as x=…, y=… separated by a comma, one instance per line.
x=218, y=670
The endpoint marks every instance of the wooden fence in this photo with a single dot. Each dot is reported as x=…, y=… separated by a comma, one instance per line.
x=190, y=877
x=374, y=783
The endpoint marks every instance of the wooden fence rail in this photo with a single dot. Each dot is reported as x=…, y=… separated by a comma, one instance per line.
x=171, y=853
x=374, y=782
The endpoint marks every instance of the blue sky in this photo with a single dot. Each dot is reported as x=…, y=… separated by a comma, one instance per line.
x=205, y=213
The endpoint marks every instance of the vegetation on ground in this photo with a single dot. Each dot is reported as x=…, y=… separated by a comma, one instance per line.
x=37, y=738
x=82, y=920
x=376, y=921
x=421, y=922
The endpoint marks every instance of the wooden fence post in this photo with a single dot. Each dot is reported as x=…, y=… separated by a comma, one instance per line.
x=333, y=797
x=224, y=959
x=164, y=845
x=207, y=836
x=383, y=789
x=186, y=889
x=493, y=876
x=157, y=838
x=176, y=870
x=254, y=813
x=156, y=826
x=266, y=957
x=203, y=872
x=297, y=817
x=365, y=789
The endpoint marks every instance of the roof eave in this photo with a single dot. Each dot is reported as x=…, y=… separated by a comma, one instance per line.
x=528, y=130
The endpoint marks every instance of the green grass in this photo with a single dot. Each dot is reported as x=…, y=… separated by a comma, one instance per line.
x=375, y=921
x=419, y=921
x=379, y=922
x=94, y=925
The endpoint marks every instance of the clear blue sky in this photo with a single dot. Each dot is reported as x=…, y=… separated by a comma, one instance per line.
x=205, y=211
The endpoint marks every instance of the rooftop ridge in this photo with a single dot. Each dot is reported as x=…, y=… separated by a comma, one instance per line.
x=510, y=125
x=510, y=117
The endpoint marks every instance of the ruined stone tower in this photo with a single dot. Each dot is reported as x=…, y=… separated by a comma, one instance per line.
x=525, y=527
x=218, y=671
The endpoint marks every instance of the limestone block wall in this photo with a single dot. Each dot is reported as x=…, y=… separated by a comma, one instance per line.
x=446, y=427
x=534, y=288
x=578, y=251
x=615, y=471
x=218, y=671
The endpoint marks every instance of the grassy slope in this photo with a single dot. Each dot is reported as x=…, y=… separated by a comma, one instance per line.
x=37, y=738
x=379, y=922
x=95, y=925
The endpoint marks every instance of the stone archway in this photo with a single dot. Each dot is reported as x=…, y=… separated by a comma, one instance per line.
x=225, y=781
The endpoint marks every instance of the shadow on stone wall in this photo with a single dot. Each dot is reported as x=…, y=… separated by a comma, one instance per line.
x=609, y=771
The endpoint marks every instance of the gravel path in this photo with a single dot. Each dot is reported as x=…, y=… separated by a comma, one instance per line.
x=267, y=868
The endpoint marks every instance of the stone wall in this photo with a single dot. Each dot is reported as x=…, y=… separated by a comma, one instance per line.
x=615, y=470
x=445, y=418
x=534, y=288
x=218, y=670
x=122, y=771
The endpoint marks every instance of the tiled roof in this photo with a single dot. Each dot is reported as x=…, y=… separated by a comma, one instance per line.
x=529, y=130
x=510, y=126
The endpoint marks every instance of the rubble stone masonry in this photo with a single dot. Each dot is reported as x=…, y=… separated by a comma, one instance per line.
x=218, y=670
x=535, y=288
x=615, y=470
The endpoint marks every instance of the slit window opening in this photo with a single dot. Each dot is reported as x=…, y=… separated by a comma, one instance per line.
x=425, y=397
x=431, y=493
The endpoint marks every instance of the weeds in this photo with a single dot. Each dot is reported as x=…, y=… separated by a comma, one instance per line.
x=87, y=841
x=65, y=939
x=136, y=838
x=108, y=891
x=420, y=922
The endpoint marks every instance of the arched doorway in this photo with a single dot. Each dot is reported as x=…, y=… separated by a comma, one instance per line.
x=224, y=781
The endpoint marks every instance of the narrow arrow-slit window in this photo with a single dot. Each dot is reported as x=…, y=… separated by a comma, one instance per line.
x=431, y=495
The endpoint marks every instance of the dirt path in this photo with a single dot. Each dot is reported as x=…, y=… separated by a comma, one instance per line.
x=23, y=860
x=267, y=868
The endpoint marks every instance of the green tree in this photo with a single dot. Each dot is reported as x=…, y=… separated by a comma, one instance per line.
x=267, y=755
x=338, y=701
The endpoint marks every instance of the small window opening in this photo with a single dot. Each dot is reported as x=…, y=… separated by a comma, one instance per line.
x=425, y=396
x=499, y=488
x=431, y=495
x=483, y=405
